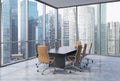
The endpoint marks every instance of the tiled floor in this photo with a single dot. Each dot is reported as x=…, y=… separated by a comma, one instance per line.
x=103, y=69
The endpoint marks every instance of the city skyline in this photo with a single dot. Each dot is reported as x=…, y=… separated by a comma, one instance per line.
x=28, y=24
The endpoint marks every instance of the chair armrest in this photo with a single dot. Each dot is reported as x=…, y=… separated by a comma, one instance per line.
x=70, y=58
x=53, y=58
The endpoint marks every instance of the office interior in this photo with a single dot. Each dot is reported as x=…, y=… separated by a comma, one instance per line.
x=24, y=23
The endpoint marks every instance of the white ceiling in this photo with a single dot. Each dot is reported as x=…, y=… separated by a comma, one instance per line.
x=69, y=3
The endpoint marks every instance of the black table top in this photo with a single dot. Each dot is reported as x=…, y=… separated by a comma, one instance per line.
x=63, y=50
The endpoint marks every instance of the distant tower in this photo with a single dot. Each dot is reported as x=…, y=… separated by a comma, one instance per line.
x=14, y=25
x=23, y=28
x=113, y=38
x=103, y=31
x=86, y=25
x=69, y=26
x=32, y=24
x=9, y=28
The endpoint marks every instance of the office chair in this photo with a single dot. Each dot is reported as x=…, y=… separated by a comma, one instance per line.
x=77, y=43
x=84, y=50
x=43, y=58
x=84, y=54
x=36, y=49
x=75, y=60
x=88, y=59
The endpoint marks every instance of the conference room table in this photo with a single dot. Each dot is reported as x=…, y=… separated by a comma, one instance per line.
x=60, y=55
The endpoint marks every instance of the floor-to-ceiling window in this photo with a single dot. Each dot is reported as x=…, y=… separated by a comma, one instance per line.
x=50, y=24
x=9, y=30
x=88, y=25
x=110, y=23
x=27, y=22
x=67, y=25
x=23, y=27
x=35, y=26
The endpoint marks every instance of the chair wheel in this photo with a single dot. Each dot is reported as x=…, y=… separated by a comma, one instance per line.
x=70, y=71
x=86, y=64
x=92, y=61
x=54, y=73
x=37, y=70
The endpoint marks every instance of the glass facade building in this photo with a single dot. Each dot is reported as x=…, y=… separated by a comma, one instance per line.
x=27, y=22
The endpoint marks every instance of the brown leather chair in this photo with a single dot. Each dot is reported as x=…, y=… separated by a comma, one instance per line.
x=43, y=58
x=84, y=50
x=75, y=61
x=77, y=43
x=88, y=59
x=36, y=49
x=84, y=54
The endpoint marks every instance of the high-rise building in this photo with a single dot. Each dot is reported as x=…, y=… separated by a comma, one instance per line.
x=59, y=30
x=14, y=26
x=50, y=29
x=86, y=25
x=5, y=34
x=113, y=38
x=32, y=24
x=40, y=30
x=68, y=26
x=9, y=33
x=23, y=28
x=103, y=31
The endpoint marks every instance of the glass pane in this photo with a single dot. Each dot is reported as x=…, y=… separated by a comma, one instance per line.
x=23, y=26
x=35, y=28
x=9, y=28
x=67, y=26
x=50, y=26
x=88, y=25
x=110, y=20
x=13, y=28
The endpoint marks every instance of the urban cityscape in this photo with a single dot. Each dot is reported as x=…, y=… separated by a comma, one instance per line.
x=22, y=27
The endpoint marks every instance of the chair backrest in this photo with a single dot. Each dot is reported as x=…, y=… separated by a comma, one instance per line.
x=84, y=49
x=77, y=43
x=90, y=48
x=78, y=53
x=43, y=56
x=36, y=49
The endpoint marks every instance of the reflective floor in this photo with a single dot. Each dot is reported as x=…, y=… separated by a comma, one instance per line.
x=103, y=69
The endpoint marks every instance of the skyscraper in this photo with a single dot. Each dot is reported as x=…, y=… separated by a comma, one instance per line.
x=23, y=27
x=14, y=25
x=5, y=31
x=68, y=26
x=50, y=29
x=113, y=37
x=40, y=29
x=32, y=24
x=9, y=33
x=103, y=31
x=86, y=25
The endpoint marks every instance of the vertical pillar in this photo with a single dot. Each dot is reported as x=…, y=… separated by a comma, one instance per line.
x=44, y=26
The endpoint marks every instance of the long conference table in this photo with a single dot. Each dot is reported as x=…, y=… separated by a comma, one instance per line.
x=60, y=55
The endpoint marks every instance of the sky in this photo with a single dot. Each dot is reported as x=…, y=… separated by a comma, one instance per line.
x=113, y=11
